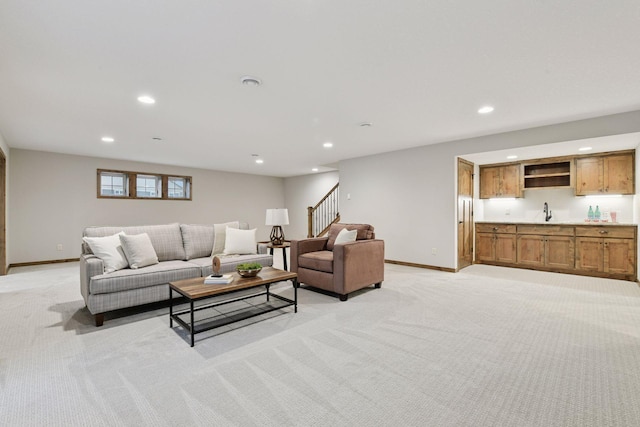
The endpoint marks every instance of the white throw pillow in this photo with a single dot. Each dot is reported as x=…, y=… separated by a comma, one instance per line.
x=240, y=242
x=139, y=250
x=219, y=237
x=345, y=236
x=109, y=250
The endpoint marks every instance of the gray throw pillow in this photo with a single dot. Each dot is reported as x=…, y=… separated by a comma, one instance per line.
x=138, y=250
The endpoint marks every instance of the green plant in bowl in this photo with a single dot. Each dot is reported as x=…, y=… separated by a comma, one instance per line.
x=249, y=269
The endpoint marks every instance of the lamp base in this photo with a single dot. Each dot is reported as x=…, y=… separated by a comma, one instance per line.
x=277, y=236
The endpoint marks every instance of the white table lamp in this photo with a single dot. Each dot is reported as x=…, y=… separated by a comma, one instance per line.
x=277, y=218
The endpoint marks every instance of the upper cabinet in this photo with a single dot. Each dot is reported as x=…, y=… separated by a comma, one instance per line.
x=608, y=174
x=500, y=181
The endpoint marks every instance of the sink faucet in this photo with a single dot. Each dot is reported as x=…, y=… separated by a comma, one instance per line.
x=547, y=212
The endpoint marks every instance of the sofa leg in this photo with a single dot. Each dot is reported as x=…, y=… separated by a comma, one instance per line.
x=378, y=285
x=99, y=319
x=344, y=297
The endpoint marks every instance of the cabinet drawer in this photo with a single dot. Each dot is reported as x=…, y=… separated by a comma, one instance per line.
x=495, y=228
x=620, y=232
x=546, y=230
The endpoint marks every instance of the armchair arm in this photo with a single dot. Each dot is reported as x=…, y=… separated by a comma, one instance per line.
x=299, y=247
x=358, y=264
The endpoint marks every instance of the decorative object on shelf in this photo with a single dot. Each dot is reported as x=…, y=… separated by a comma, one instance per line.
x=249, y=269
x=597, y=214
x=590, y=214
x=277, y=218
x=215, y=263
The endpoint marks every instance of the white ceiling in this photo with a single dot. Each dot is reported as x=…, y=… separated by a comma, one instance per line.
x=70, y=73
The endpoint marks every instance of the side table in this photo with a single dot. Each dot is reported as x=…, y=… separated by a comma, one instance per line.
x=284, y=247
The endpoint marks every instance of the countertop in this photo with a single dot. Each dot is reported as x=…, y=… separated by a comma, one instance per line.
x=570, y=223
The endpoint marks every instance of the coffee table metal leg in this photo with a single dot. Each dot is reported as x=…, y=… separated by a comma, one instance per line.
x=267, y=286
x=191, y=327
x=295, y=295
x=170, y=308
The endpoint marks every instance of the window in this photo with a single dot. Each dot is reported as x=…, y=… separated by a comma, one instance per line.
x=179, y=187
x=142, y=185
x=148, y=186
x=114, y=184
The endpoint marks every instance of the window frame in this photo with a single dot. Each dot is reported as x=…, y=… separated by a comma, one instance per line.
x=132, y=181
x=186, y=187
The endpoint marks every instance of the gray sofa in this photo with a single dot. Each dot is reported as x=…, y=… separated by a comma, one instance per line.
x=183, y=250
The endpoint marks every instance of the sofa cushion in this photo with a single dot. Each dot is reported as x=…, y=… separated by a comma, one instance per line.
x=197, y=239
x=109, y=250
x=365, y=232
x=240, y=242
x=139, y=250
x=228, y=263
x=166, y=239
x=220, y=231
x=153, y=275
x=320, y=261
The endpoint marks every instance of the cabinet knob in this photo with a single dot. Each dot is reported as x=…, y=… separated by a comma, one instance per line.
x=603, y=231
x=495, y=228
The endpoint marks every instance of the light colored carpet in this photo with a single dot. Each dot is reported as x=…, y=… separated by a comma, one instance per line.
x=487, y=346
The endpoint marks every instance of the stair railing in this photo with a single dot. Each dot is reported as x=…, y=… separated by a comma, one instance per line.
x=325, y=213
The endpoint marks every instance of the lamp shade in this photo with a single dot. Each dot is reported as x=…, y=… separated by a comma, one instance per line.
x=277, y=217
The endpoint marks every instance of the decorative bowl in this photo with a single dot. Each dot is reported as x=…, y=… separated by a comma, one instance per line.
x=249, y=273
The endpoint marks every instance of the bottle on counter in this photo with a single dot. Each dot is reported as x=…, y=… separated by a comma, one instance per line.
x=596, y=215
x=590, y=214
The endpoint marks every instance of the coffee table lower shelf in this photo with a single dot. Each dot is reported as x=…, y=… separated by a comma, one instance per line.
x=197, y=319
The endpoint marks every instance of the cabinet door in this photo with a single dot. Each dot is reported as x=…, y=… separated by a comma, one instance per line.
x=560, y=252
x=589, y=176
x=510, y=181
x=489, y=182
x=531, y=250
x=505, y=248
x=619, y=256
x=618, y=174
x=485, y=247
x=590, y=256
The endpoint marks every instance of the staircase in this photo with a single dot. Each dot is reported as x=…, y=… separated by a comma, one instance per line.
x=325, y=213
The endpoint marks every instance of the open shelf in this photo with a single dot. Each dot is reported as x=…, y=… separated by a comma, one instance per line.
x=546, y=175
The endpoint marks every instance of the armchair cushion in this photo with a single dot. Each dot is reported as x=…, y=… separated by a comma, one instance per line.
x=365, y=232
x=320, y=261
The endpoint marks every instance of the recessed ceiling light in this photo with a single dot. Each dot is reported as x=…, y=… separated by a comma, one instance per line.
x=513, y=156
x=259, y=161
x=107, y=139
x=314, y=170
x=486, y=109
x=366, y=124
x=327, y=144
x=146, y=99
x=250, y=81
x=585, y=148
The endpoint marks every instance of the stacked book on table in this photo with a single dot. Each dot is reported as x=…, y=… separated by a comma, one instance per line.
x=223, y=279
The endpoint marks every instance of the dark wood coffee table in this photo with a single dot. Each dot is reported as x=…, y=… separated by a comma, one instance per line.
x=195, y=289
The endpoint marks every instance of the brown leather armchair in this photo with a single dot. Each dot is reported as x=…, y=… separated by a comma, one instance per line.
x=341, y=268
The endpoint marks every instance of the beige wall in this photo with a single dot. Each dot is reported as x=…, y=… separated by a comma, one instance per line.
x=53, y=197
x=409, y=195
x=301, y=192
